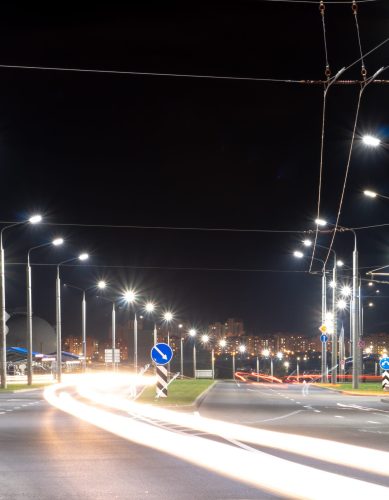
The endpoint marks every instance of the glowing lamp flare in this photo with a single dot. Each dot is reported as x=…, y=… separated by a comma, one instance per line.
x=83, y=256
x=57, y=242
x=370, y=194
x=129, y=296
x=35, y=219
x=370, y=140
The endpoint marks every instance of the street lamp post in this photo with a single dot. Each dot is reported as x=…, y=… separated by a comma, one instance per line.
x=82, y=257
x=35, y=219
x=182, y=356
x=193, y=333
x=56, y=242
x=130, y=297
x=101, y=285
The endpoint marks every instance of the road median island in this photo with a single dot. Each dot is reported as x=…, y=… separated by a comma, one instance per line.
x=180, y=393
x=365, y=389
x=23, y=387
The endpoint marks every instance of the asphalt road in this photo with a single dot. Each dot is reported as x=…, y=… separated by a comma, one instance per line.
x=46, y=453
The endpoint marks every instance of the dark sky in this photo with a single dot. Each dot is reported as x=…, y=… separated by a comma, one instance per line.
x=163, y=151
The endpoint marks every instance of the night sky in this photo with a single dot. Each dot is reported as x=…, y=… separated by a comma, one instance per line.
x=182, y=152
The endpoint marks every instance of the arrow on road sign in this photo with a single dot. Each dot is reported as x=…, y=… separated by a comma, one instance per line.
x=160, y=352
x=384, y=363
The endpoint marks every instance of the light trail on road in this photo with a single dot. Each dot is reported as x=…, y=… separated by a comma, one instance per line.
x=243, y=464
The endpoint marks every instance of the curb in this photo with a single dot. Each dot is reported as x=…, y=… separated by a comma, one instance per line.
x=197, y=402
x=385, y=400
x=349, y=393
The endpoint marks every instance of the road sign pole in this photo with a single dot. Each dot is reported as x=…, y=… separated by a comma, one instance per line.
x=323, y=320
x=355, y=320
x=257, y=369
x=3, y=347
x=113, y=335
x=385, y=381
x=162, y=383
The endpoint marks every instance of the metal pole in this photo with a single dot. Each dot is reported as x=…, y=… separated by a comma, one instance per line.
x=155, y=333
x=113, y=335
x=271, y=369
x=298, y=372
x=323, y=319
x=59, y=338
x=257, y=369
x=355, y=319
x=334, y=353
x=135, y=344
x=2, y=318
x=233, y=366
x=194, y=361
x=213, y=363
x=29, y=323
x=83, y=331
x=182, y=357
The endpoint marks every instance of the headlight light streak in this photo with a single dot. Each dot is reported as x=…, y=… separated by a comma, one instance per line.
x=365, y=459
x=255, y=468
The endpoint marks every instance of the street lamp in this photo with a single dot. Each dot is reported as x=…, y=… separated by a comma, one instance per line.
x=130, y=297
x=35, y=219
x=370, y=140
x=82, y=257
x=150, y=308
x=56, y=242
x=168, y=317
x=100, y=285
x=192, y=332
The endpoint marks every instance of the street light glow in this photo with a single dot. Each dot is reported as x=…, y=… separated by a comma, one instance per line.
x=150, y=307
x=280, y=355
x=192, y=332
x=371, y=304
x=307, y=243
x=266, y=352
x=83, y=256
x=345, y=291
x=341, y=304
x=340, y=263
x=320, y=222
x=332, y=284
x=242, y=348
x=370, y=194
x=223, y=343
x=205, y=338
x=129, y=296
x=57, y=242
x=298, y=254
x=101, y=284
x=168, y=316
x=370, y=140
x=35, y=219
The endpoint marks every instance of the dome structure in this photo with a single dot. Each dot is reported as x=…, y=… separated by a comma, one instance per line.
x=43, y=334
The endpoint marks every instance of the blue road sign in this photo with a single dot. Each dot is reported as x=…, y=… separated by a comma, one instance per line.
x=323, y=338
x=384, y=363
x=161, y=353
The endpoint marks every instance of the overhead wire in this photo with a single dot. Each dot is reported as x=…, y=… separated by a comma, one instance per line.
x=363, y=87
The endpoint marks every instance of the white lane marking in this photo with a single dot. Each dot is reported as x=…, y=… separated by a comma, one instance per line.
x=283, y=416
x=362, y=408
x=317, y=411
x=8, y=410
x=17, y=407
x=338, y=416
x=298, y=403
x=372, y=422
x=2, y=412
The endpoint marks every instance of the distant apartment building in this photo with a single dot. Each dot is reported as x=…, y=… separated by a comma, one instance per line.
x=377, y=343
x=72, y=344
x=231, y=328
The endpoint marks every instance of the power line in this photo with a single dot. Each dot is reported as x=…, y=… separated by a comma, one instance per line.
x=161, y=268
x=312, y=2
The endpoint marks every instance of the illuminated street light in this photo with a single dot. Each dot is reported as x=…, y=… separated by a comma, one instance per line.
x=56, y=242
x=371, y=304
x=242, y=349
x=205, y=338
x=345, y=291
x=192, y=332
x=340, y=263
x=266, y=353
x=129, y=296
x=168, y=316
x=377, y=291
x=332, y=284
x=223, y=343
x=280, y=355
x=370, y=194
x=307, y=243
x=370, y=283
x=35, y=219
x=81, y=257
x=341, y=304
x=298, y=254
x=370, y=140
x=150, y=307
x=101, y=284
x=320, y=222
